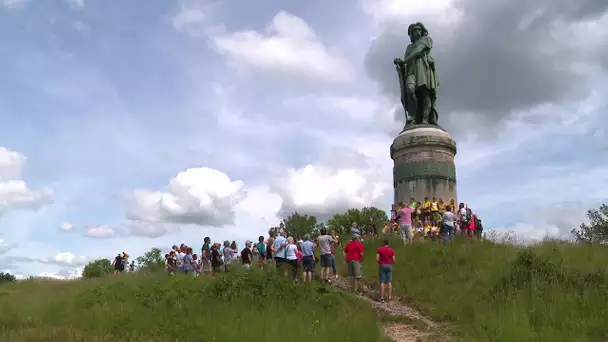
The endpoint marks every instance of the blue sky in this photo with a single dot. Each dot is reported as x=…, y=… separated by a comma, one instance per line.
x=130, y=125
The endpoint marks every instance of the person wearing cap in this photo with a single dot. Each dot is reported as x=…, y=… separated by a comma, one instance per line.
x=247, y=255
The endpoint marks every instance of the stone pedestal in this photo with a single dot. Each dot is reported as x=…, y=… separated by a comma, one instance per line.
x=423, y=158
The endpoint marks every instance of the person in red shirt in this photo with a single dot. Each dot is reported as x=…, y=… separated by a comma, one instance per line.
x=353, y=254
x=386, y=258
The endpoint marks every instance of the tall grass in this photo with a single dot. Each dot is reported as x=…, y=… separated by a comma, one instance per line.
x=234, y=307
x=552, y=291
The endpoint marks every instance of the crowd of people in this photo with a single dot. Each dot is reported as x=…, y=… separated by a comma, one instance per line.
x=435, y=220
x=298, y=256
x=121, y=263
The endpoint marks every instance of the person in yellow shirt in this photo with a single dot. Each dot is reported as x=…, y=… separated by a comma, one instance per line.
x=427, y=229
x=434, y=208
x=418, y=212
x=426, y=208
x=441, y=207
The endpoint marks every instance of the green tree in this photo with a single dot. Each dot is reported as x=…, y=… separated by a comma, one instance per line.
x=6, y=277
x=296, y=224
x=97, y=269
x=597, y=229
x=367, y=218
x=152, y=260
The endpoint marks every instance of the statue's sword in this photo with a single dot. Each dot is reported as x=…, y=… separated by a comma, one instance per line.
x=401, y=75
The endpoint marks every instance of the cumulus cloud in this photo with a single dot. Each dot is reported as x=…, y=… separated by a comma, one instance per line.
x=14, y=192
x=6, y=246
x=65, y=259
x=493, y=58
x=289, y=46
x=328, y=188
x=197, y=196
x=100, y=232
x=63, y=274
x=67, y=227
x=13, y=3
x=19, y=276
x=195, y=17
x=523, y=234
x=76, y=3
x=50, y=275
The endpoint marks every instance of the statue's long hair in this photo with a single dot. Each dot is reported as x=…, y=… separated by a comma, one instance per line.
x=422, y=28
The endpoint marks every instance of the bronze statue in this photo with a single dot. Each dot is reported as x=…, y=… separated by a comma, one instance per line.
x=418, y=78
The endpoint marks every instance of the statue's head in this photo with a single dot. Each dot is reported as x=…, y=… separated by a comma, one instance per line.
x=416, y=31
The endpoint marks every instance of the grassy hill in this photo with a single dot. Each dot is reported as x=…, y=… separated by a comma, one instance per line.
x=484, y=291
x=479, y=291
x=161, y=308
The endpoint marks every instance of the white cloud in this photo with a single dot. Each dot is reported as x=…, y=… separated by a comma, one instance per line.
x=525, y=234
x=18, y=276
x=67, y=259
x=288, y=47
x=14, y=192
x=11, y=164
x=14, y=3
x=64, y=274
x=67, y=227
x=323, y=191
x=50, y=275
x=6, y=246
x=195, y=17
x=100, y=232
x=361, y=110
x=76, y=3
x=198, y=196
x=385, y=11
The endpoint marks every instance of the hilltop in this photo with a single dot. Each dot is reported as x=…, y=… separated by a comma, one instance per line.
x=471, y=291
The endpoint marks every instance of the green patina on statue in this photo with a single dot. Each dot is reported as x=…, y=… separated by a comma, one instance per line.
x=418, y=78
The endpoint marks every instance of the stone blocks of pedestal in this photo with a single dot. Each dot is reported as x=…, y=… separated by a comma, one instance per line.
x=423, y=157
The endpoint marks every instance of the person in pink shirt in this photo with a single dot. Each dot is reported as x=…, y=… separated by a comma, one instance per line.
x=404, y=219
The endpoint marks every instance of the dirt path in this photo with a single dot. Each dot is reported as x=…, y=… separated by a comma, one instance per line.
x=405, y=324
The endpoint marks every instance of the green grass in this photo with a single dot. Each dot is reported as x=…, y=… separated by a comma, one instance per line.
x=479, y=291
x=235, y=307
x=490, y=292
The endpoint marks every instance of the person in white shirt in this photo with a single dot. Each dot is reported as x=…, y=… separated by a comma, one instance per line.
x=291, y=256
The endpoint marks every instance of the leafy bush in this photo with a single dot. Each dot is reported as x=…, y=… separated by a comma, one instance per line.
x=97, y=269
x=6, y=277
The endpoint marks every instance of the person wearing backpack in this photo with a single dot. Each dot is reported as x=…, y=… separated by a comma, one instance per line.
x=119, y=266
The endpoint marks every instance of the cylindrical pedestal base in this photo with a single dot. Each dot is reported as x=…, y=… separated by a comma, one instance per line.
x=423, y=158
